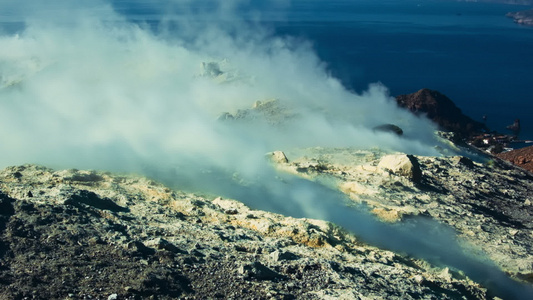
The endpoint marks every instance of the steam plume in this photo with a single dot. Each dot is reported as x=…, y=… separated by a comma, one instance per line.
x=84, y=86
x=90, y=91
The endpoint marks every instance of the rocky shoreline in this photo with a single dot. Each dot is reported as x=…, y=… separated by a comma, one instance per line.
x=463, y=130
x=522, y=158
x=441, y=110
x=522, y=17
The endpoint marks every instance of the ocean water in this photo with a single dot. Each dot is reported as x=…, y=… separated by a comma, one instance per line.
x=469, y=51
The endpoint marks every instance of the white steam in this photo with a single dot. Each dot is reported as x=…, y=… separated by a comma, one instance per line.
x=101, y=92
x=82, y=86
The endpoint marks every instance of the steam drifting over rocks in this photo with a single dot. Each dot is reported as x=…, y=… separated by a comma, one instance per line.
x=78, y=233
x=96, y=91
x=488, y=204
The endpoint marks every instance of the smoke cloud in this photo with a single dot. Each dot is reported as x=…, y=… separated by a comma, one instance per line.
x=82, y=86
x=144, y=86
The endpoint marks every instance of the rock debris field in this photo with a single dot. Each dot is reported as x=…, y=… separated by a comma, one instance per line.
x=75, y=234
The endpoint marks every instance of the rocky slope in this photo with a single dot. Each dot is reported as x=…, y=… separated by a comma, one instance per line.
x=489, y=205
x=521, y=157
x=89, y=235
x=439, y=228
x=440, y=109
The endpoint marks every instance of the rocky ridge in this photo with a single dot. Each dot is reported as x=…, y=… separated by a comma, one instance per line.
x=489, y=204
x=522, y=157
x=441, y=110
x=74, y=234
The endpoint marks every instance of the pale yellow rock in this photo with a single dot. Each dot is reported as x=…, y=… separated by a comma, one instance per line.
x=418, y=278
x=446, y=275
x=278, y=157
x=367, y=168
x=231, y=205
x=402, y=165
x=423, y=198
x=387, y=215
x=353, y=187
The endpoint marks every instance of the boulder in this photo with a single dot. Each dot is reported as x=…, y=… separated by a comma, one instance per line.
x=257, y=270
x=389, y=128
x=467, y=162
x=92, y=199
x=402, y=165
x=278, y=157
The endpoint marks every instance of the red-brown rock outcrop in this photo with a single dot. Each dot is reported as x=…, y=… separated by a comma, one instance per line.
x=521, y=157
x=440, y=109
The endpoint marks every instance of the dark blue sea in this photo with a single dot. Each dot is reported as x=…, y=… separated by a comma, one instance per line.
x=469, y=51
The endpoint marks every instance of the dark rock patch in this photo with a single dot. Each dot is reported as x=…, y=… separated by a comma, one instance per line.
x=257, y=270
x=91, y=199
x=440, y=109
x=389, y=128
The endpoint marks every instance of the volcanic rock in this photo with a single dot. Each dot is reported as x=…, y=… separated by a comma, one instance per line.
x=270, y=111
x=440, y=109
x=389, y=128
x=170, y=244
x=277, y=157
x=515, y=127
x=521, y=157
x=484, y=202
x=403, y=165
x=524, y=17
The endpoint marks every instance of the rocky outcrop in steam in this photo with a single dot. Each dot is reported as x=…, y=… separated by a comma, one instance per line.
x=270, y=111
x=488, y=204
x=79, y=234
x=440, y=109
x=82, y=234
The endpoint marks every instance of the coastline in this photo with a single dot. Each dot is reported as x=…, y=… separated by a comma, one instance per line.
x=524, y=17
